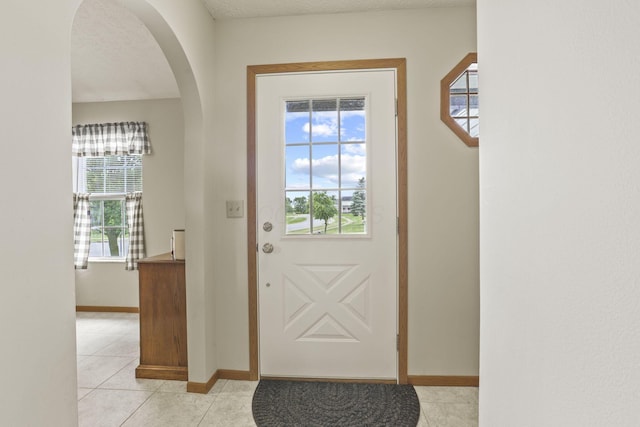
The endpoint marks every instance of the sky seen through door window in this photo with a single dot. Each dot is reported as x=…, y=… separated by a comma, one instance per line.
x=325, y=163
x=325, y=142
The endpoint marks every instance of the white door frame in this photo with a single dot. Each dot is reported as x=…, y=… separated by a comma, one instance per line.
x=399, y=64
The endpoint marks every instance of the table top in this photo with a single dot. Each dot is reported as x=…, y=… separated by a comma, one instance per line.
x=163, y=258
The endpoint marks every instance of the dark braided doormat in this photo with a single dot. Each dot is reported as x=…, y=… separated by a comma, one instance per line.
x=305, y=403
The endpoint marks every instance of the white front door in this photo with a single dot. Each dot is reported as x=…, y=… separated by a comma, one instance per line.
x=327, y=233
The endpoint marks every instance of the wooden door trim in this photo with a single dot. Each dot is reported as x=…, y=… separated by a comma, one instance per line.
x=399, y=64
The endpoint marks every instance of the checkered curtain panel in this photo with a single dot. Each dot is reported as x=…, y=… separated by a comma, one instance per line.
x=81, y=231
x=106, y=139
x=136, y=230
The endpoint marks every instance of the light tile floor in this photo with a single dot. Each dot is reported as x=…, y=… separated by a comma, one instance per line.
x=110, y=395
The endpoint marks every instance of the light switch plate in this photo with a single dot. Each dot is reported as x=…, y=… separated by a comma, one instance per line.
x=235, y=208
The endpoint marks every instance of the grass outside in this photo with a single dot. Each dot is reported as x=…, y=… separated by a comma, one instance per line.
x=351, y=224
x=294, y=219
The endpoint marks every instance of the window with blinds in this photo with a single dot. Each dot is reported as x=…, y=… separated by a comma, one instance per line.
x=109, y=174
x=107, y=179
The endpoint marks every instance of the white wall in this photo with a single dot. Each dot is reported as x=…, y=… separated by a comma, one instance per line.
x=560, y=236
x=37, y=321
x=443, y=182
x=38, y=300
x=109, y=284
x=185, y=32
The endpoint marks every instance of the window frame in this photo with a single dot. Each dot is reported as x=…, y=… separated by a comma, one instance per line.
x=80, y=168
x=445, y=100
x=105, y=197
x=335, y=191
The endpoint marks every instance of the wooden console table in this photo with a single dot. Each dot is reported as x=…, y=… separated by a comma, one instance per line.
x=163, y=320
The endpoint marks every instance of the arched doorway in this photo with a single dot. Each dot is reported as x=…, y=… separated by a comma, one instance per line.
x=168, y=24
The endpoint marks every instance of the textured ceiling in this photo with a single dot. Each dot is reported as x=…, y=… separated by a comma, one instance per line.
x=114, y=57
x=229, y=9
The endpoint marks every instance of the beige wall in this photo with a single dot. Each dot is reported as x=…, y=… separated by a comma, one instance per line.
x=443, y=172
x=107, y=283
x=185, y=32
x=37, y=321
x=37, y=258
x=442, y=187
x=559, y=217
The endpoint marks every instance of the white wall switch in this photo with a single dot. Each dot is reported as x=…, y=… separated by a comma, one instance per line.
x=235, y=208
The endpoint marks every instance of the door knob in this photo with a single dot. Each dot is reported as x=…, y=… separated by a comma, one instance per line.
x=267, y=226
x=267, y=248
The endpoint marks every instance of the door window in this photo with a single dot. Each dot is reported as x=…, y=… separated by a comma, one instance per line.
x=325, y=145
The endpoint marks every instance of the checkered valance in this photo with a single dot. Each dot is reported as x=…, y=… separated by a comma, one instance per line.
x=106, y=139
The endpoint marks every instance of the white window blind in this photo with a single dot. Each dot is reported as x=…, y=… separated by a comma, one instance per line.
x=117, y=174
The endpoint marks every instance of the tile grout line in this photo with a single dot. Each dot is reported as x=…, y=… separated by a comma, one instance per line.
x=117, y=372
x=204, y=415
x=139, y=406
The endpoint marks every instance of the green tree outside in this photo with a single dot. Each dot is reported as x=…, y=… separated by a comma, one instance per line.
x=113, y=222
x=112, y=213
x=358, y=203
x=324, y=208
x=301, y=205
x=288, y=206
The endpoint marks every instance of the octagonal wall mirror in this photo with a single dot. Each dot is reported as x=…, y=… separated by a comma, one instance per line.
x=459, y=100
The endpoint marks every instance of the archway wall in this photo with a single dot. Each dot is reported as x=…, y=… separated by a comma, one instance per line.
x=37, y=304
x=37, y=320
x=185, y=32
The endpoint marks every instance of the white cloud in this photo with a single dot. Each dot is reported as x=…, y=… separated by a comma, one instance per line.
x=354, y=167
x=322, y=129
x=325, y=123
x=323, y=167
x=355, y=149
x=354, y=164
